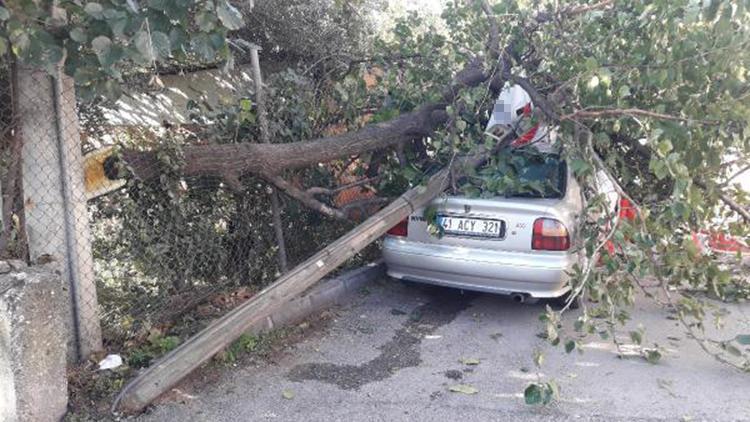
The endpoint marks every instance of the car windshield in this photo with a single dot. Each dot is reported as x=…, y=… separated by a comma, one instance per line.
x=521, y=175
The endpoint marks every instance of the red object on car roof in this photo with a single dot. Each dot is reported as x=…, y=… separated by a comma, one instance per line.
x=525, y=138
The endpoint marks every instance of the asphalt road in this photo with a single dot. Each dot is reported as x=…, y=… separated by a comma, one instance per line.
x=394, y=353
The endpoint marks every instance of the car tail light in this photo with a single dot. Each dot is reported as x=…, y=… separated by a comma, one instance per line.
x=401, y=229
x=550, y=235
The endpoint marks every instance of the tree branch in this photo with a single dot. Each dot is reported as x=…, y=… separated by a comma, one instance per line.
x=493, y=41
x=538, y=99
x=730, y=202
x=305, y=198
x=326, y=191
x=618, y=112
x=577, y=10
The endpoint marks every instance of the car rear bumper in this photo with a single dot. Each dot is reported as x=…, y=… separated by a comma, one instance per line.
x=541, y=274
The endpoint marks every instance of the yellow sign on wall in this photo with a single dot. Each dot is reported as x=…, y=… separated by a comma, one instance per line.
x=96, y=181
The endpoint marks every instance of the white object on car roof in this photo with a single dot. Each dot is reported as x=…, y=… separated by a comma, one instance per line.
x=511, y=106
x=513, y=112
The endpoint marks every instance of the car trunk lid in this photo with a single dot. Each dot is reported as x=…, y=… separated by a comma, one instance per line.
x=516, y=217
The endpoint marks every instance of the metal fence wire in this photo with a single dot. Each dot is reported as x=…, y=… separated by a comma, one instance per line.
x=144, y=258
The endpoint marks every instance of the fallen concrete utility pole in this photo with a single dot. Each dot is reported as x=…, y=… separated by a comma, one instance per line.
x=173, y=367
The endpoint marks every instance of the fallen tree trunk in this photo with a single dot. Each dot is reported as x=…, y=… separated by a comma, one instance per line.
x=173, y=367
x=224, y=160
x=231, y=161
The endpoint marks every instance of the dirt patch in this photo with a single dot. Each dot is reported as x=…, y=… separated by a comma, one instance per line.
x=402, y=351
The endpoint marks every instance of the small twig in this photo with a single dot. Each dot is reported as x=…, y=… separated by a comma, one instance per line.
x=735, y=175
x=577, y=10
x=615, y=222
x=632, y=112
x=702, y=342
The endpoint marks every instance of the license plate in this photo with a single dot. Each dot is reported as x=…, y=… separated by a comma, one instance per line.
x=479, y=227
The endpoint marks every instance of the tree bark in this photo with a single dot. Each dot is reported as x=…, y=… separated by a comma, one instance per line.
x=269, y=159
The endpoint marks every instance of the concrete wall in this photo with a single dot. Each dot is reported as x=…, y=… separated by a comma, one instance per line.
x=33, y=339
x=169, y=104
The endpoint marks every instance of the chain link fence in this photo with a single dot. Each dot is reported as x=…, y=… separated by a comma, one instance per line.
x=148, y=260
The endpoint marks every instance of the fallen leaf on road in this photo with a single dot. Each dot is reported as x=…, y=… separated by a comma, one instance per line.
x=463, y=388
x=287, y=394
x=470, y=361
x=666, y=385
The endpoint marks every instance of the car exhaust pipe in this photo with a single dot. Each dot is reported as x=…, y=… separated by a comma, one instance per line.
x=518, y=297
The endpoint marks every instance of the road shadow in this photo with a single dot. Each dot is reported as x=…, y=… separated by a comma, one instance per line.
x=402, y=351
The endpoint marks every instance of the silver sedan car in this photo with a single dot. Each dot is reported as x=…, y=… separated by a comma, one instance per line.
x=519, y=244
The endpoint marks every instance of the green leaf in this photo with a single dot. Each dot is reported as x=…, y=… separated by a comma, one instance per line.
x=177, y=37
x=3, y=46
x=570, y=345
x=101, y=46
x=119, y=26
x=624, y=91
x=201, y=45
x=162, y=5
x=288, y=394
x=732, y=350
x=743, y=339
x=665, y=146
x=161, y=44
x=205, y=21
x=463, y=389
x=538, y=358
x=591, y=64
x=579, y=167
x=78, y=35
x=461, y=125
x=142, y=43
x=532, y=395
x=4, y=14
x=659, y=168
x=229, y=16
x=20, y=42
x=653, y=356
x=552, y=392
x=593, y=82
x=246, y=104
x=95, y=10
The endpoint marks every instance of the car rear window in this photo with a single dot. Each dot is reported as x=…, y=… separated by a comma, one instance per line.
x=524, y=176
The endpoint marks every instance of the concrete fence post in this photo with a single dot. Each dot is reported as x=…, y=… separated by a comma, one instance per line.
x=57, y=223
